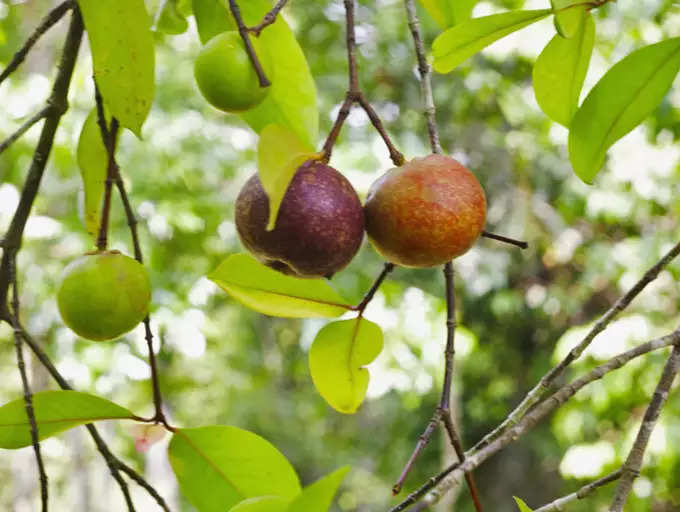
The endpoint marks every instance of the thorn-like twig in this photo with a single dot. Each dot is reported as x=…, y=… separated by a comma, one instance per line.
x=518, y=243
x=243, y=30
x=47, y=22
x=268, y=18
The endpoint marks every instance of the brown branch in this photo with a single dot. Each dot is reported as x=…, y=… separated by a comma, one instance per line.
x=631, y=468
x=28, y=395
x=35, y=118
x=543, y=387
x=582, y=493
x=355, y=95
x=115, y=465
x=109, y=138
x=519, y=243
x=47, y=22
x=439, y=484
x=425, y=71
x=243, y=30
x=59, y=104
x=268, y=18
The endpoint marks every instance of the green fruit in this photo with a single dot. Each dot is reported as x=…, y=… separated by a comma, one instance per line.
x=103, y=295
x=225, y=75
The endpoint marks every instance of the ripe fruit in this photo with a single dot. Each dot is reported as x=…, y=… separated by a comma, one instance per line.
x=319, y=228
x=426, y=212
x=225, y=75
x=103, y=295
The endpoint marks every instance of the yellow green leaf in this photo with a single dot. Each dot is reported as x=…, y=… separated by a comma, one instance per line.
x=279, y=153
x=337, y=359
x=273, y=293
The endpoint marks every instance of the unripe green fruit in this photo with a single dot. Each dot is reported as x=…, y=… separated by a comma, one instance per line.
x=103, y=295
x=225, y=75
x=426, y=212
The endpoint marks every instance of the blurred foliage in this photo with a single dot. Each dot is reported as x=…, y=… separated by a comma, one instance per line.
x=221, y=363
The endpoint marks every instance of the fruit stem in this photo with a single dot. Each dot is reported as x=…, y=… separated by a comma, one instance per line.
x=243, y=30
x=109, y=137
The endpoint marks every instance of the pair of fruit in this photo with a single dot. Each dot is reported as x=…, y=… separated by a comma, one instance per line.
x=422, y=214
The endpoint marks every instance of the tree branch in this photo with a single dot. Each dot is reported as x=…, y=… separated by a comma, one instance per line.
x=28, y=395
x=631, y=468
x=47, y=22
x=59, y=104
x=361, y=307
x=582, y=493
x=243, y=30
x=268, y=18
x=115, y=465
x=543, y=387
x=441, y=483
x=355, y=95
x=38, y=116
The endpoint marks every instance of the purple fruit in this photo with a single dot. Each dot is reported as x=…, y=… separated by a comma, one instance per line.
x=319, y=228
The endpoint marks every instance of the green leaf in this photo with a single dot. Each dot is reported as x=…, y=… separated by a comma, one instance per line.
x=217, y=467
x=55, y=412
x=279, y=153
x=169, y=18
x=621, y=100
x=212, y=18
x=273, y=293
x=457, y=44
x=449, y=12
x=522, y=506
x=567, y=19
x=337, y=358
x=262, y=504
x=319, y=495
x=560, y=71
x=93, y=161
x=123, y=60
x=291, y=102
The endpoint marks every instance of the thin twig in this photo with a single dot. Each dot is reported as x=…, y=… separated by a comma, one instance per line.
x=439, y=484
x=47, y=22
x=38, y=116
x=543, y=387
x=361, y=307
x=268, y=18
x=631, y=468
x=583, y=492
x=28, y=395
x=355, y=95
x=111, y=460
x=243, y=30
x=59, y=103
x=519, y=243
